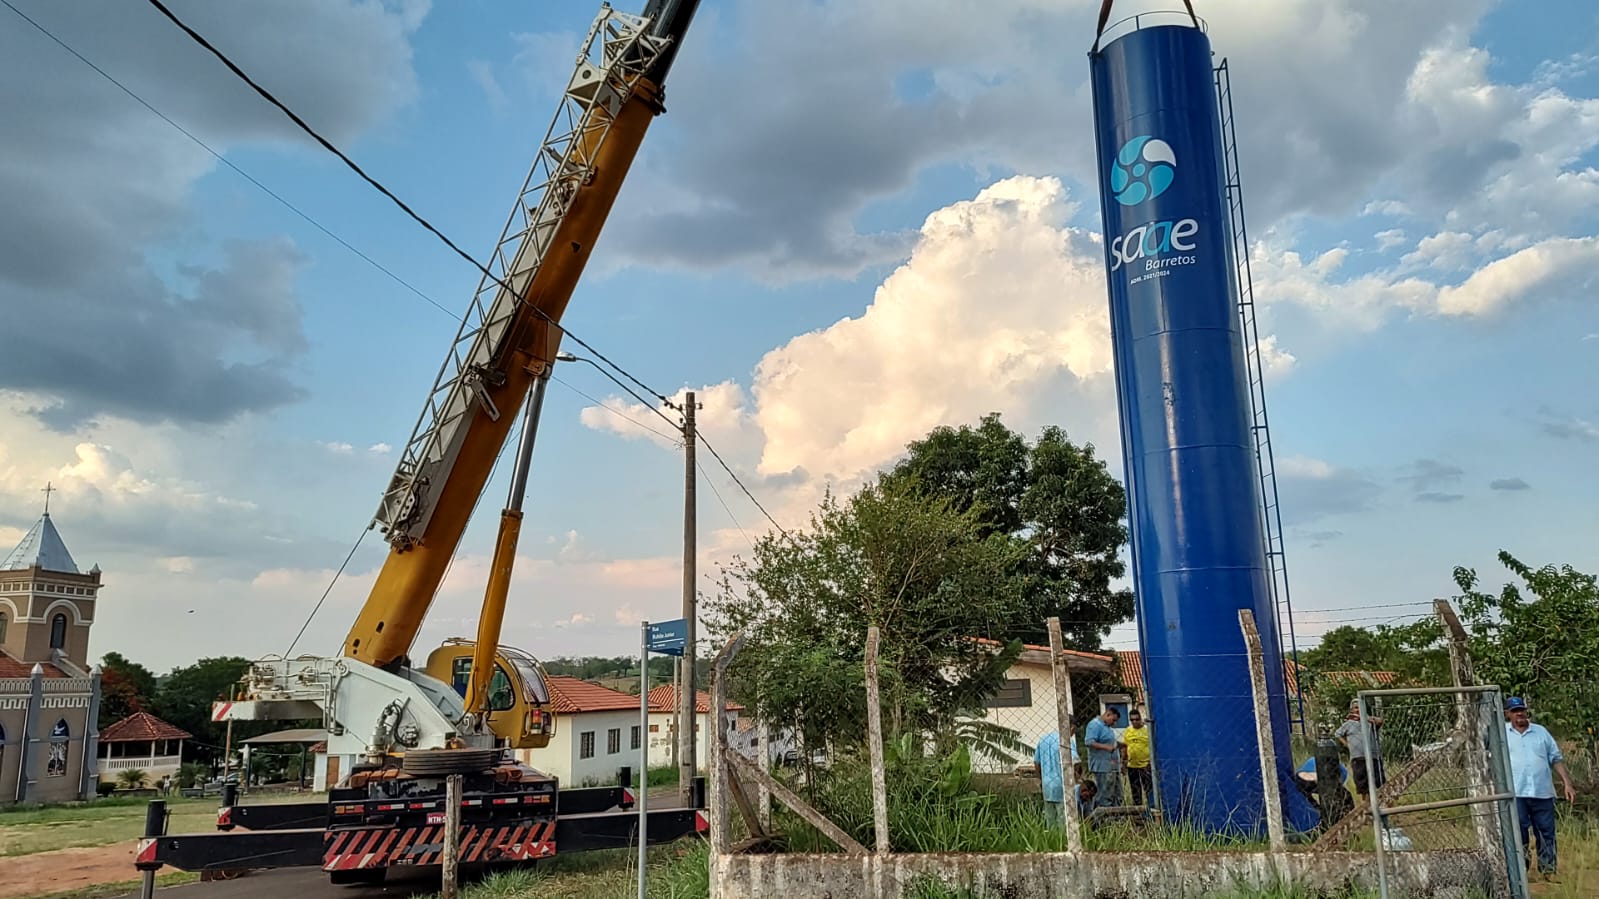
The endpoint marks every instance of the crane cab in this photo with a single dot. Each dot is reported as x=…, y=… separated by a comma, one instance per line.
x=521, y=713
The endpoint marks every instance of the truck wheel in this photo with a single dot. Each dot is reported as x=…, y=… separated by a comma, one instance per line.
x=435, y=762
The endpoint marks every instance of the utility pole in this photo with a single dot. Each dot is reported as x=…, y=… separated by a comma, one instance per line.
x=686, y=717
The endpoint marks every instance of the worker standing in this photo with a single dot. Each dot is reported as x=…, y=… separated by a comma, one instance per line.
x=1104, y=756
x=1135, y=755
x=1533, y=754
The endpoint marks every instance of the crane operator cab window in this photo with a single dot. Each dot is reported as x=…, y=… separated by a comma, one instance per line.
x=501, y=697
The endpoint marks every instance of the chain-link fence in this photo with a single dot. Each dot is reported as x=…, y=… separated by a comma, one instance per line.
x=1433, y=767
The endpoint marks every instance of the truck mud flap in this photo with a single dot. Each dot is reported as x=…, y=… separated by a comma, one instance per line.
x=232, y=850
x=382, y=847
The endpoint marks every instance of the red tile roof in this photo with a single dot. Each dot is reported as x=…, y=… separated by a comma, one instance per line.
x=10, y=667
x=1362, y=678
x=1028, y=646
x=664, y=699
x=572, y=695
x=142, y=727
x=1130, y=664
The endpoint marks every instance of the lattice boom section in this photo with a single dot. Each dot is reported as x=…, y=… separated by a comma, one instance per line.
x=617, y=52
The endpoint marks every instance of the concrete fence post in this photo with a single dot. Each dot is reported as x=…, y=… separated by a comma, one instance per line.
x=718, y=803
x=1263, y=732
x=1469, y=721
x=874, y=743
x=1063, y=724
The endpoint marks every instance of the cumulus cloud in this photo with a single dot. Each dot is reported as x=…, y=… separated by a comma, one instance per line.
x=96, y=184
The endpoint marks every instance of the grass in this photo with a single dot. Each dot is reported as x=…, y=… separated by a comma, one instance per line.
x=24, y=831
x=676, y=871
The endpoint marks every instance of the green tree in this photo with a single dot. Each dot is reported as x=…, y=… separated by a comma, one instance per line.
x=125, y=687
x=1053, y=499
x=1539, y=640
x=1414, y=652
x=912, y=564
x=184, y=698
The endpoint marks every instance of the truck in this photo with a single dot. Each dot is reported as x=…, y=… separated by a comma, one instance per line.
x=473, y=702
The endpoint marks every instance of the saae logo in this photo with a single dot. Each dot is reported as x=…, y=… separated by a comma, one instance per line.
x=1144, y=168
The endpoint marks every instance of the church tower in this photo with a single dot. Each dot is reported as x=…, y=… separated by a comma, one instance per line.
x=46, y=603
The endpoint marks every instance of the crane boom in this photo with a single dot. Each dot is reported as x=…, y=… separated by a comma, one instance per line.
x=510, y=335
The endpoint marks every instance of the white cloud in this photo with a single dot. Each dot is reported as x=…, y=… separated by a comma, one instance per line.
x=336, y=447
x=380, y=449
x=1393, y=237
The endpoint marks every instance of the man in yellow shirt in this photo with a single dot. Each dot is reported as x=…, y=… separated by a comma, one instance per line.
x=1135, y=757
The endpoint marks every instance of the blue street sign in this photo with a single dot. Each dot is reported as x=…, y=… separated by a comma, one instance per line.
x=667, y=637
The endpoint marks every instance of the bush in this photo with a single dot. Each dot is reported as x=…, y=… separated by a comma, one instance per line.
x=105, y=788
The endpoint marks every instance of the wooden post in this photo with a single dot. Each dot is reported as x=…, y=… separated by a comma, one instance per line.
x=1063, y=724
x=452, y=836
x=1263, y=733
x=748, y=770
x=718, y=801
x=874, y=743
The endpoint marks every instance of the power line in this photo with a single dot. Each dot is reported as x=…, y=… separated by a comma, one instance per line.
x=619, y=413
x=225, y=161
x=734, y=475
x=718, y=494
x=329, y=146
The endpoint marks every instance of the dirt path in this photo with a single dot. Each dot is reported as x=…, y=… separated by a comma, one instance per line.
x=59, y=870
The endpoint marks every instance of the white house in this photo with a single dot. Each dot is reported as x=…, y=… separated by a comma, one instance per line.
x=663, y=724
x=1026, y=704
x=597, y=732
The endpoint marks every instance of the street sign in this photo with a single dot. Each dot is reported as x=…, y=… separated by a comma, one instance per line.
x=667, y=637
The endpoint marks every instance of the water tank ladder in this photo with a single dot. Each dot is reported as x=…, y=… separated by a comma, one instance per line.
x=1276, y=559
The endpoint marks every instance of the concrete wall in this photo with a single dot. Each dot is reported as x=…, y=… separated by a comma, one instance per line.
x=1096, y=875
x=661, y=741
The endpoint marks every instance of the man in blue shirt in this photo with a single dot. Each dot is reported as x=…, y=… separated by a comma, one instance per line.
x=1533, y=754
x=1047, y=757
x=1104, y=757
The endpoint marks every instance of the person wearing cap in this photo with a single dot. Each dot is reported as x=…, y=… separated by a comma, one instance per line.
x=1533, y=754
x=1361, y=741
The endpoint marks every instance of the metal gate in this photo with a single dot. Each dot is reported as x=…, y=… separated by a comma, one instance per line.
x=1440, y=780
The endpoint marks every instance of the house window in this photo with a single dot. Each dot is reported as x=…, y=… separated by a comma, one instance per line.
x=1017, y=693
x=635, y=736
x=59, y=735
x=613, y=741
x=2, y=627
x=58, y=631
x=655, y=728
x=585, y=745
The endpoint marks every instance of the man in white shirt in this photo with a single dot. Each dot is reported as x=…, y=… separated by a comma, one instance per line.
x=1533, y=754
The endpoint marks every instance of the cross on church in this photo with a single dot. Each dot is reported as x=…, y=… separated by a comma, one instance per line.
x=47, y=491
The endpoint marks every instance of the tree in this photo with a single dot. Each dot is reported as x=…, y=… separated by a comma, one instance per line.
x=1054, y=499
x=185, y=696
x=1414, y=652
x=912, y=564
x=125, y=687
x=1544, y=647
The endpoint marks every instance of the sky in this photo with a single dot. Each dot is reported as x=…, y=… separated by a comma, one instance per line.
x=854, y=223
